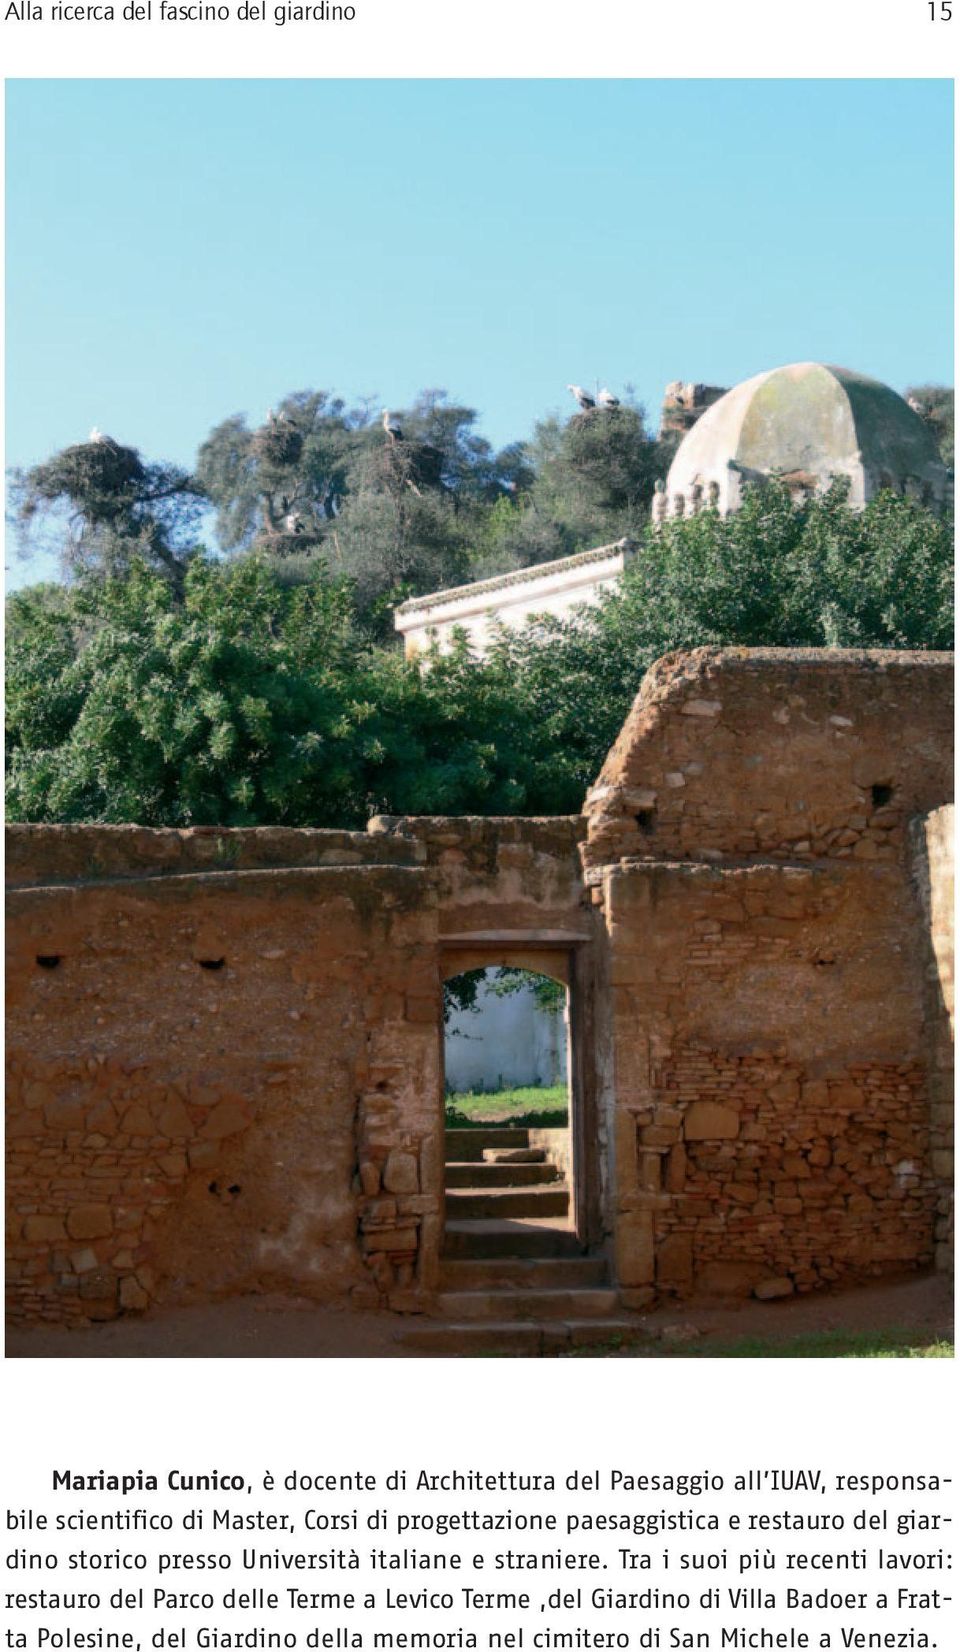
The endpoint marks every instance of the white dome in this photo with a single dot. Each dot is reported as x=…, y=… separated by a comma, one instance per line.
x=805, y=424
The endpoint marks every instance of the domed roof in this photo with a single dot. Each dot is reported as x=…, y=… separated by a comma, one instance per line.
x=808, y=422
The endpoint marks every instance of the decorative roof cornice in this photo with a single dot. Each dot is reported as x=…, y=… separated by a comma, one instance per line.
x=519, y=576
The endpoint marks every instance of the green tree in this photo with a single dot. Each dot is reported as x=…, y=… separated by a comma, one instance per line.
x=321, y=482
x=219, y=709
x=251, y=701
x=280, y=486
x=103, y=508
x=778, y=574
x=398, y=541
x=586, y=481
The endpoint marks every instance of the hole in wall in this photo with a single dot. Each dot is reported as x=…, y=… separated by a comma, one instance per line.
x=881, y=794
x=48, y=960
x=646, y=820
x=234, y=1188
x=824, y=960
x=211, y=963
x=213, y=1188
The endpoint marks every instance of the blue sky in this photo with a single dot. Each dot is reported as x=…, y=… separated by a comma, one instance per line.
x=182, y=250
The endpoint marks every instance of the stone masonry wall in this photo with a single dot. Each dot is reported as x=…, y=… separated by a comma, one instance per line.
x=225, y=1047
x=775, y=754
x=777, y=1120
x=224, y=1052
x=933, y=867
x=219, y=1083
x=766, y=1141
x=498, y=875
x=58, y=855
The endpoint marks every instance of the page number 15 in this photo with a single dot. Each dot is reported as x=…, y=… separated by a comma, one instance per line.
x=940, y=11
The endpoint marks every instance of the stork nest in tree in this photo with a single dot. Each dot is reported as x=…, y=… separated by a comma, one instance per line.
x=289, y=544
x=279, y=443
x=90, y=469
x=411, y=464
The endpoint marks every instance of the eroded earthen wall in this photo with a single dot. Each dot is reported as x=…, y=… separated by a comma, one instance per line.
x=225, y=1049
x=776, y=754
x=771, y=1081
x=934, y=838
x=771, y=1098
x=221, y=1083
x=225, y=1046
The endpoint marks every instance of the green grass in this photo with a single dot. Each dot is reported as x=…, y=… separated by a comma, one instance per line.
x=881, y=1344
x=836, y=1345
x=543, y=1106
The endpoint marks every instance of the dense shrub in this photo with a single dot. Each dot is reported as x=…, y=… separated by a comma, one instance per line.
x=244, y=699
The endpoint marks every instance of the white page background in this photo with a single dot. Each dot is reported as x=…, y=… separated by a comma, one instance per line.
x=642, y=1415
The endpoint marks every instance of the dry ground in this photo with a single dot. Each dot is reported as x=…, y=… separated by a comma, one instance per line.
x=917, y=1311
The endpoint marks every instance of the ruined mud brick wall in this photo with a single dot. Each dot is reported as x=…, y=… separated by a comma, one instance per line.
x=65, y=854
x=220, y=1081
x=769, y=1095
x=225, y=1050
x=772, y=1113
x=225, y=1046
x=499, y=877
x=782, y=754
x=933, y=872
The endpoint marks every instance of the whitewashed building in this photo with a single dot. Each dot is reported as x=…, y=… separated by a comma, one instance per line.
x=555, y=588
x=504, y=1043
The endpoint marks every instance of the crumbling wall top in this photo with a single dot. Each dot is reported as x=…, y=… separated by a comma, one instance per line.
x=80, y=853
x=789, y=753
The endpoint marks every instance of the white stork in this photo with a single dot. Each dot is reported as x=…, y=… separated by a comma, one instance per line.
x=98, y=437
x=392, y=426
x=584, y=397
x=606, y=398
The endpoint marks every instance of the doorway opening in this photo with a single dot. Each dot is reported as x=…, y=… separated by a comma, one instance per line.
x=506, y=1036
x=510, y=1182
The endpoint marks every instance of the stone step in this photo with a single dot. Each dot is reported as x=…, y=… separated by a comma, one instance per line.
x=530, y=1338
x=493, y=1239
x=516, y=1303
x=481, y=1176
x=507, y=1201
x=514, y=1155
x=522, y=1273
x=471, y=1143
x=432, y=1336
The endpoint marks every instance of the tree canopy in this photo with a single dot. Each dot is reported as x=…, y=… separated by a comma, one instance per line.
x=233, y=696
x=318, y=485
x=104, y=508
